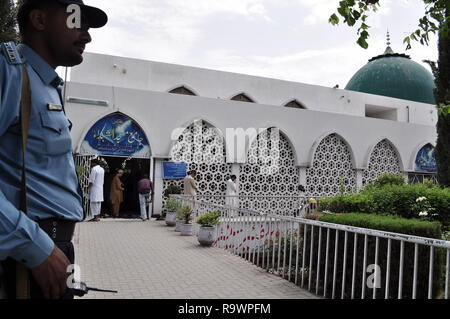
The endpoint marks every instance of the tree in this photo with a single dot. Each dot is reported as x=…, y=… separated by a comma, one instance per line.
x=8, y=29
x=435, y=20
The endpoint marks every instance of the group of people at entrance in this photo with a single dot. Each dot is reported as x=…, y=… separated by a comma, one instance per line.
x=96, y=198
x=190, y=187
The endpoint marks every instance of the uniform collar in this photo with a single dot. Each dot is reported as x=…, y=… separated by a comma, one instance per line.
x=42, y=68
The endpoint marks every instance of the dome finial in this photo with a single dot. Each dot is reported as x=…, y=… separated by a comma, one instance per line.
x=388, y=48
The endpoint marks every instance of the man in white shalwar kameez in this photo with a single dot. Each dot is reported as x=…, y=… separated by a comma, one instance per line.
x=231, y=193
x=96, y=179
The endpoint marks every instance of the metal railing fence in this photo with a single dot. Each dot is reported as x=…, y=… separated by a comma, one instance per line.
x=332, y=260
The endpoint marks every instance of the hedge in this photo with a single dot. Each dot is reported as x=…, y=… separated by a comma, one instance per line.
x=399, y=200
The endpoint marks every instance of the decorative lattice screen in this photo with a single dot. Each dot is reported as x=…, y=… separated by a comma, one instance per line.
x=83, y=166
x=203, y=148
x=332, y=169
x=270, y=171
x=383, y=159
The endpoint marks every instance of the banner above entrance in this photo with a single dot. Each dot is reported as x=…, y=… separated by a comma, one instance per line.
x=426, y=160
x=116, y=135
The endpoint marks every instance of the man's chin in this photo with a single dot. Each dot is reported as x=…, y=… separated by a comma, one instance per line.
x=73, y=61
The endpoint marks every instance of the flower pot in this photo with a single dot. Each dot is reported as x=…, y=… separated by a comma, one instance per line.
x=206, y=236
x=171, y=218
x=187, y=229
x=178, y=226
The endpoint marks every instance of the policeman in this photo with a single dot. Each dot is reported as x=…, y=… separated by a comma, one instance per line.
x=41, y=239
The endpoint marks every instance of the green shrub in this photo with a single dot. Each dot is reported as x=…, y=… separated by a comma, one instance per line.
x=388, y=179
x=172, y=204
x=209, y=219
x=185, y=213
x=347, y=203
x=383, y=223
x=398, y=200
x=387, y=223
x=172, y=189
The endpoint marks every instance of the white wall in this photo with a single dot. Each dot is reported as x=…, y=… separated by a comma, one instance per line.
x=112, y=71
x=159, y=114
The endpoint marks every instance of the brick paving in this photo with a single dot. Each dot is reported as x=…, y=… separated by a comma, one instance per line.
x=150, y=260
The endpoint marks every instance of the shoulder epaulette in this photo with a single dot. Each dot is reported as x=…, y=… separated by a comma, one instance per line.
x=9, y=50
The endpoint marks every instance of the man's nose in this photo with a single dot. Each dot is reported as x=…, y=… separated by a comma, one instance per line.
x=85, y=36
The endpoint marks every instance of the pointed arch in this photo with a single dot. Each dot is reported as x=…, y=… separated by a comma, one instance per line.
x=184, y=90
x=384, y=158
x=97, y=138
x=270, y=170
x=178, y=131
x=321, y=138
x=202, y=146
x=416, y=150
x=295, y=104
x=243, y=97
x=425, y=159
x=332, y=167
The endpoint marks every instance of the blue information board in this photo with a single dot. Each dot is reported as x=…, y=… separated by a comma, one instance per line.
x=174, y=169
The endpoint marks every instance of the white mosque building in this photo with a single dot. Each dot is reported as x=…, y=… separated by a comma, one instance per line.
x=164, y=119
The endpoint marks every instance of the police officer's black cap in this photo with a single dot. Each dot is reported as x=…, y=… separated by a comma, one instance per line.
x=96, y=18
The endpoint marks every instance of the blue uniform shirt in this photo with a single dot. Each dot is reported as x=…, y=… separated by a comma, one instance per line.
x=52, y=183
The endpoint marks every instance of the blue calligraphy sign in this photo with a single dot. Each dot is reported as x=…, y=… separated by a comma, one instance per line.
x=174, y=169
x=426, y=160
x=116, y=135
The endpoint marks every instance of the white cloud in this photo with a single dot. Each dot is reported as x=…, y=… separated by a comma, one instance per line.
x=289, y=39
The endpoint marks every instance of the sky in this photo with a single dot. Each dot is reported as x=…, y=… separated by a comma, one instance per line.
x=282, y=39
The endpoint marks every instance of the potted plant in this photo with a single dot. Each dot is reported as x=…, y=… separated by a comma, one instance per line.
x=180, y=219
x=207, y=232
x=186, y=227
x=172, y=205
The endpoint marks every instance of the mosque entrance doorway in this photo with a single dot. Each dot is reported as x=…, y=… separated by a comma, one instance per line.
x=121, y=144
x=134, y=169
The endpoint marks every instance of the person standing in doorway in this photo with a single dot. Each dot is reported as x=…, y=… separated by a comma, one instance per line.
x=117, y=192
x=145, y=190
x=190, y=184
x=95, y=189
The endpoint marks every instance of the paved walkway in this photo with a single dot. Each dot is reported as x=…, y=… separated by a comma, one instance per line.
x=151, y=260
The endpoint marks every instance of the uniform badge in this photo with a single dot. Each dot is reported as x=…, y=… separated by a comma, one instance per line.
x=54, y=107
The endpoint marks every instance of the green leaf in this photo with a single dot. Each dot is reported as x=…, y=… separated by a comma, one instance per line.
x=334, y=19
x=350, y=21
x=341, y=11
x=362, y=43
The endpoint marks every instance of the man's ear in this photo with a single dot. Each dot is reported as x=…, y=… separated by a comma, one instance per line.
x=38, y=19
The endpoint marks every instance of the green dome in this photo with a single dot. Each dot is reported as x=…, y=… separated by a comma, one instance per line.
x=394, y=75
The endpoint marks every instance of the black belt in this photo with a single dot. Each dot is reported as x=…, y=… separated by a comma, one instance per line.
x=58, y=230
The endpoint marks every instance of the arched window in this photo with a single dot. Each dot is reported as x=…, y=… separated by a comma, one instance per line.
x=202, y=147
x=332, y=169
x=295, y=104
x=383, y=159
x=270, y=171
x=242, y=98
x=182, y=90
